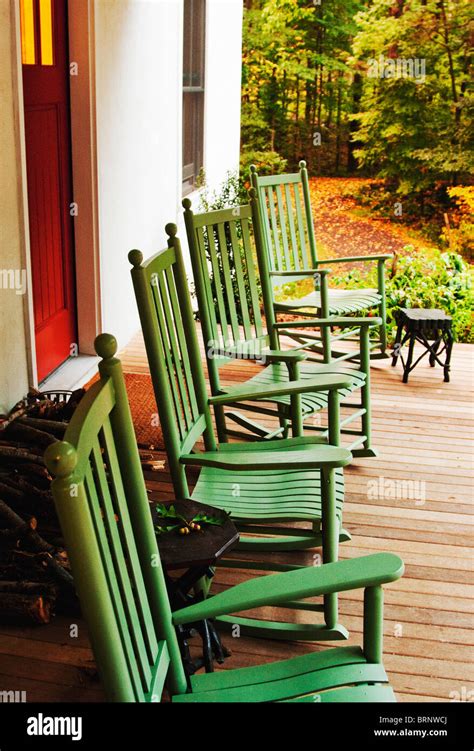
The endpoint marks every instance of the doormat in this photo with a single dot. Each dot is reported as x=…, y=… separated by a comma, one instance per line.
x=143, y=408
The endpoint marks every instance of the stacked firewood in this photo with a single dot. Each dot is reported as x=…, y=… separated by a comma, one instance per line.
x=35, y=578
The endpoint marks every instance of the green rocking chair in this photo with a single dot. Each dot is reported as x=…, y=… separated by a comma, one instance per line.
x=263, y=485
x=103, y=509
x=224, y=261
x=291, y=254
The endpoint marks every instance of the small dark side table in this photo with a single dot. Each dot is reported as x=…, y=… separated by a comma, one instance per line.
x=432, y=329
x=194, y=556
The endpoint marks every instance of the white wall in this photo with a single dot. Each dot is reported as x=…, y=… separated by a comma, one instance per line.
x=138, y=72
x=223, y=72
x=13, y=307
x=223, y=80
x=139, y=133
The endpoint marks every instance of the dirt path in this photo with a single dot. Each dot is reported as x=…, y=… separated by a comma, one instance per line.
x=342, y=231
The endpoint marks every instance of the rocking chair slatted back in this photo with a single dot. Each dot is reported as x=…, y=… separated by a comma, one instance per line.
x=285, y=215
x=168, y=325
x=224, y=264
x=112, y=548
x=173, y=344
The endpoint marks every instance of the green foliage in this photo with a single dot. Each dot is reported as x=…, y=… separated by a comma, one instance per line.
x=257, y=145
x=296, y=81
x=231, y=192
x=415, y=123
x=309, y=90
x=459, y=234
x=169, y=520
x=254, y=129
x=266, y=162
x=442, y=280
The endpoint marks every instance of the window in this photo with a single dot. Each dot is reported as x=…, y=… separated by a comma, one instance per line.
x=193, y=91
x=36, y=19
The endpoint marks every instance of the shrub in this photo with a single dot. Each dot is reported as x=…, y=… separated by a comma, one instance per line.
x=266, y=162
x=441, y=281
x=231, y=192
x=459, y=234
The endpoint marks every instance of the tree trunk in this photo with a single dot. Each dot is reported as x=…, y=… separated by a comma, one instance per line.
x=338, y=125
x=330, y=102
x=452, y=75
x=352, y=164
x=297, y=121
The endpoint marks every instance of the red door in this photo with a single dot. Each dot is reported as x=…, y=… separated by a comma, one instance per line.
x=48, y=158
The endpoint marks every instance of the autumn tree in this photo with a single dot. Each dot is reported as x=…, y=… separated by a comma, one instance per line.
x=312, y=87
x=415, y=124
x=296, y=79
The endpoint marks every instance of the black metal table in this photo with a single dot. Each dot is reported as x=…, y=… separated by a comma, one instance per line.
x=193, y=556
x=429, y=327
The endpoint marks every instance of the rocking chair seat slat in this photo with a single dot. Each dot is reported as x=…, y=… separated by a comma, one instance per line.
x=353, y=694
x=281, y=495
x=341, y=301
x=280, y=670
x=293, y=678
x=310, y=402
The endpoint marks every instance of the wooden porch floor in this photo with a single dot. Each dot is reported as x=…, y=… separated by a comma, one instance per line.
x=423, y=431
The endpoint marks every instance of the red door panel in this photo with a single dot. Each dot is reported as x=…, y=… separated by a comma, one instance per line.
x=48, y=158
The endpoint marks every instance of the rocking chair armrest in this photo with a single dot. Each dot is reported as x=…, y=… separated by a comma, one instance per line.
x=266, y=356
x=319, y=456
x=281, y=355
x=335, y=321
x=274, y=589
x=246, y=393
x=346, y=259
x=301, y=272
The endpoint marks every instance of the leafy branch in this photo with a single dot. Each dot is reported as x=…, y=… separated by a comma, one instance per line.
x=179, y=523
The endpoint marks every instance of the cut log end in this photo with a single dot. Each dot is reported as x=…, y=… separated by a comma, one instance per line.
x=24, y=609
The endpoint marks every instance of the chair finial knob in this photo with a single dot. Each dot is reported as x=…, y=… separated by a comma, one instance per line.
x=302, y=164
x=135, y=257
x=186, y=203
x=105, y=345
x=60, y=458
x=171, y=229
